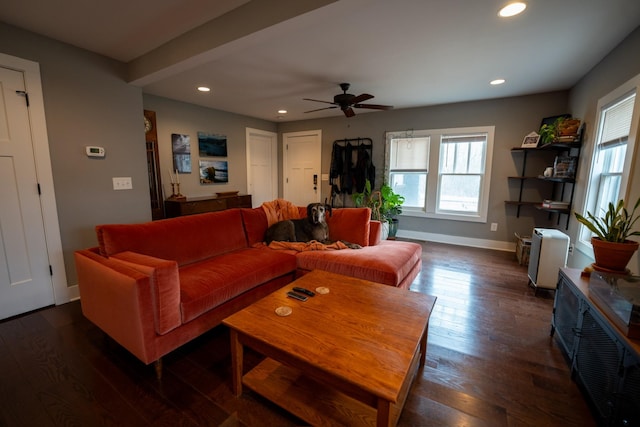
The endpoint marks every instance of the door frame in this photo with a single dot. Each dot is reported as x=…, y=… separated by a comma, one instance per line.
x=285, y=157
x=40, y=140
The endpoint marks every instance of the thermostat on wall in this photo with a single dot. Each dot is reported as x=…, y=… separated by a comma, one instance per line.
x=93, y=151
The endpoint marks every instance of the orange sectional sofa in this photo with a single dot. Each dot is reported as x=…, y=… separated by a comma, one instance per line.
x=157, y=285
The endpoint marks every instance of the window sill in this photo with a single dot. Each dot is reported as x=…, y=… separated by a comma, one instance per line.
x=449, y=217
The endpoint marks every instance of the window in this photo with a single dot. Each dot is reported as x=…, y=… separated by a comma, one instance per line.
x=442, y=173
x=616, y=125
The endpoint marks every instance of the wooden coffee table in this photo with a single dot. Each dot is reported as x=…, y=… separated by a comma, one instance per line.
x=347, y=357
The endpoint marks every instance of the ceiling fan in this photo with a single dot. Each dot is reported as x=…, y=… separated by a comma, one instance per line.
x=346, y=101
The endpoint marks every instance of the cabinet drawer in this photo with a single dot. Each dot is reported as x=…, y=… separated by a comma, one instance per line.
x=174, y=208
x=243, y=201
x=201, y=206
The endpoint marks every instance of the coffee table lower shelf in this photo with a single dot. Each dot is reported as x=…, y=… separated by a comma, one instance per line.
x=314, y=402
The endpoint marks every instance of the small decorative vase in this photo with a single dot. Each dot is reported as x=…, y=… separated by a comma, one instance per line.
x=613, y=257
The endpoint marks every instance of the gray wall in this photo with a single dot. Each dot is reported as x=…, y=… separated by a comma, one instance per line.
x=513, y=118
x=188, y=119
x=87, y=102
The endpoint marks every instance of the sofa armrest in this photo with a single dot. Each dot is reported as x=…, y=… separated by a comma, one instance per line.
x=350, y=224
x=117, y=299
x=164, y=287
x=375, y=232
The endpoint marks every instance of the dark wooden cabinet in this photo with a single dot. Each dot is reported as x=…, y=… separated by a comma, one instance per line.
x=195, y=205
x=565, y=316
x=603, y=360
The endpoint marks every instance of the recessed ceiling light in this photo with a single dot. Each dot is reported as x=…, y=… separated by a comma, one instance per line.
x=512, y=9
x=282, y=111
x=497, y=82
x=204, y=89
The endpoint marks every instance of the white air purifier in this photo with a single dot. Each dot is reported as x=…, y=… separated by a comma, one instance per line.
x=549, y=251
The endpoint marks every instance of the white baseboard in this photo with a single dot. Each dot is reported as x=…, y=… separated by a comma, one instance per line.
x=70, y=293
x=458, y=240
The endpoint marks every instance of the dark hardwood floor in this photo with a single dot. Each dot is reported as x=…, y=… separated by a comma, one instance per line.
x=490, y=362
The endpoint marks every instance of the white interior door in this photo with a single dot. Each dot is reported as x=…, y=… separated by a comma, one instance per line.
x=262, y=166
x=301, y=166
x=25, y=278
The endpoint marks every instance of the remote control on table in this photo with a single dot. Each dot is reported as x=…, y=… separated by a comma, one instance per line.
x=304, y=291
x=297, y=296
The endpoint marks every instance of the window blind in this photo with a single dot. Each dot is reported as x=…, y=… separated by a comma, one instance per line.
x=616, y=123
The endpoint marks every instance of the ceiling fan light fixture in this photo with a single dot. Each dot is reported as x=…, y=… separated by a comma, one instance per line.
x=346, y=102
x=512, y=9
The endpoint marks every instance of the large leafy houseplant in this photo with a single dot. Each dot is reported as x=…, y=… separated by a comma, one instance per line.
x=385, y=205
x=391, y=206
x=391, y=202
x=612, y=232
x=369, y=199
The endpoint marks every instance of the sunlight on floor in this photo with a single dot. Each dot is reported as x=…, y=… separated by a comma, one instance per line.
x=453, y=314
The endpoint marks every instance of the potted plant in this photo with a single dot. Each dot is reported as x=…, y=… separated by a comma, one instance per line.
x=563, y=127
x=368, y=199
x=391, y=206
x=612, y=248
x=384, y=204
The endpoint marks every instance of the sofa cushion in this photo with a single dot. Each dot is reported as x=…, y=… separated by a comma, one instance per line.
x=388, y=262
x=207, y=284
x=185, y=239
x=255, y=224
x=165, y=287
x=350, y=224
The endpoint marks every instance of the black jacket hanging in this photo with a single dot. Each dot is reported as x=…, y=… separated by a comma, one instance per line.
x=336, y=168
x=364, y=169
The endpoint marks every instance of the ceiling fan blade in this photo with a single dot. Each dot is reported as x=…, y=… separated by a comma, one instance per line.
x=374, y=106
x=360, y=98
x=319, y=109
x=317, y=100
x=349, y=112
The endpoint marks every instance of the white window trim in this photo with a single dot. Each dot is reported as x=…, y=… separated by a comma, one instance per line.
x=630, y=86
x=432, y=177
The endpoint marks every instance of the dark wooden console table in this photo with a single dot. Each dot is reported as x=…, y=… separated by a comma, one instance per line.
x=195, y=205
x=603, y=360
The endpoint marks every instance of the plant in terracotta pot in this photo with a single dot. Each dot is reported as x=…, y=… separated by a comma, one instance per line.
x=612, y=248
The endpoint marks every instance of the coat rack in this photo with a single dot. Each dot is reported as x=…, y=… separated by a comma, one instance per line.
x=351, y=166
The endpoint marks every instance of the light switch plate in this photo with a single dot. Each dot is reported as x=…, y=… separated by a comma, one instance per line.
x=122, y=183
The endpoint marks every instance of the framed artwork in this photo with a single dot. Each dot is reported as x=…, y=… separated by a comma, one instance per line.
x=531, y=140
x=214, y=171
x=565, y=167
x=181, y=148
x=212, y=145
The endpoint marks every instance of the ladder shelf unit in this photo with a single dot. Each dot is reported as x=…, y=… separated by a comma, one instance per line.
x=563, y=181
